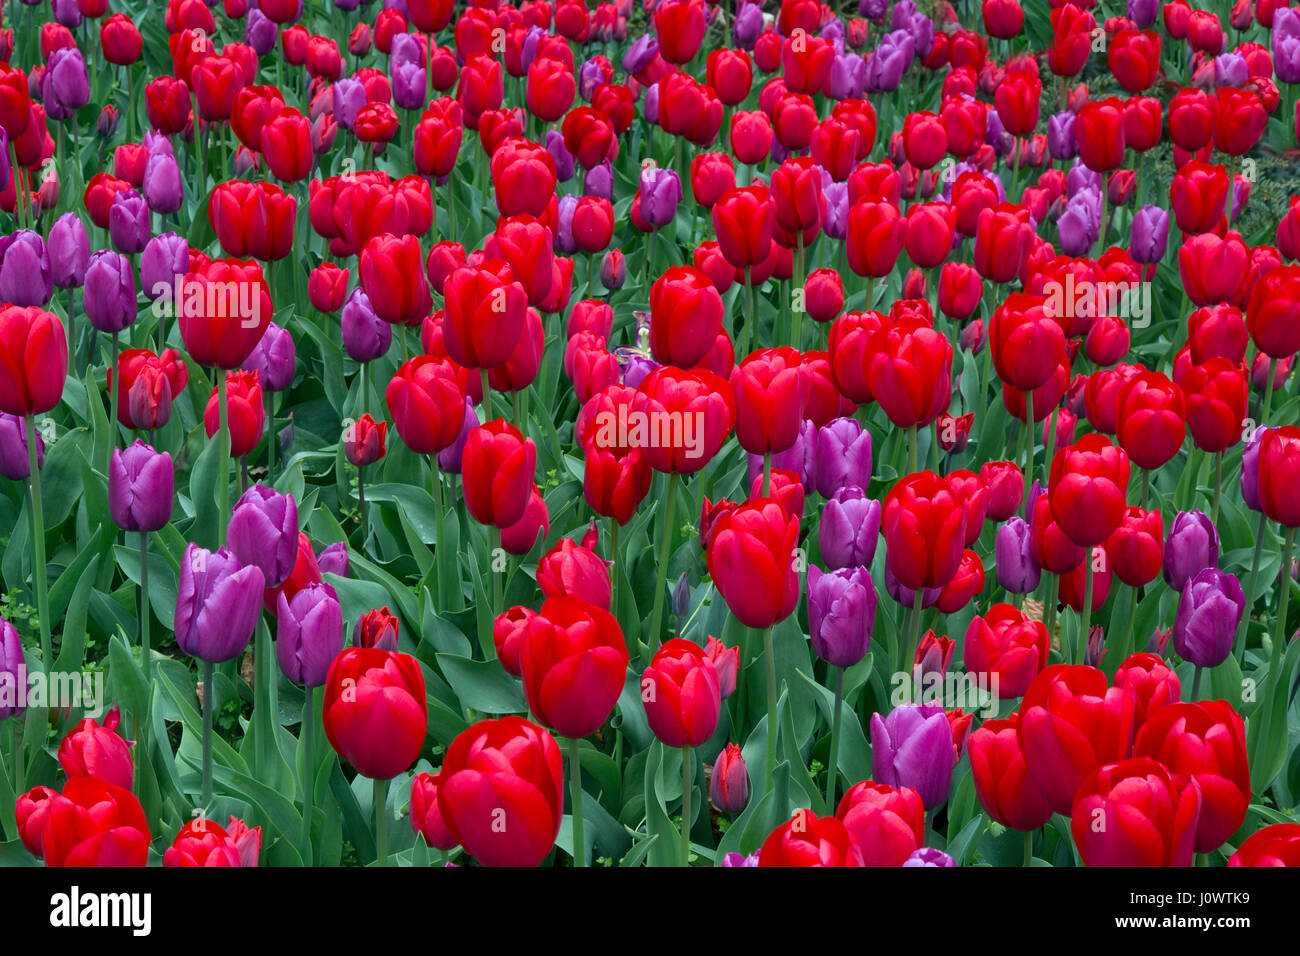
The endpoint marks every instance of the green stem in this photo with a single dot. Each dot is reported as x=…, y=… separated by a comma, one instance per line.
x=209, y=692
x=769, y=766
x=575, y=795
x=832, y=759
x=38, y=550
x=381, y=821
x=687, y=786
x=661, y=575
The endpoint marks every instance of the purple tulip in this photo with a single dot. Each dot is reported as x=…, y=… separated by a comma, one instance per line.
x=1208, y=614
x=841, y=613
x=308, y=634
x=912, y=747
x=929, y=856
x=25, y=269
x=1150, y=234
x=661, y=194
x=842, y=456
x=449, y=458
x=14, y=461
x=334, y=559
x=565, y=164
x=65, y=87
x=1191, y=546
x=109, y=295
x=273, y=359
x=1250, y=469
x=849, y=529
x=365, y=335
x=260, y=32
x=128, y=221
x=164, y=260
x=1014, y=558
x=141, y=487
x=162, y=187
x=1060, y=136
x=263, y=533
x=13, y=671
x=218, y=601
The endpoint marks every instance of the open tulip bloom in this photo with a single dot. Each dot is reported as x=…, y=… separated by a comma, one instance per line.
x=776, y=434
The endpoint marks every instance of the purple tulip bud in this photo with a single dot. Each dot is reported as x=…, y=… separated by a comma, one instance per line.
x=25, y=269
x=849, y=529
x=141, y=487
x=263, y=532
x=912, y=747
x=661, y=194
x=729, y=781
x=218, y=601
x=565, y=164
x=334, y=559
x=1191, y=546
x=613, y=270
x=308, y=634
x=109, y=294
x=65, y=87
x=163, y=189
x=365, y=335
x=349, y=97
x=273, y=359
x=14, y=461
x=13, y=672
x=1208, y=614
x=1014, y=558
x=841, y=613
x=1060, y=136
x=164, y=260
x=260, y=32
x=929, y=856
x=128, y=221
x=749, y=25
x=449, y=458
x=842, y=457
x=599, y=181
x=1149, y=235
x=1250, y=469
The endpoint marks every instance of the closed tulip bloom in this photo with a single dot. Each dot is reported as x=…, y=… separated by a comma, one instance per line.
x=426, y=404
x=925, y=528
x=141, y=488
x=1071, y=724
x=217, y=604
x=501, y=791
x=34, y=354
x=92, y=750
x=1209, y=611
x=1193, y=545
x=109, y=298
x=912, y=747
x=309, y=634
x=841, y=613
x=729, y=781
x=1086, y=489
x=681, y=694
x=885, y=823
x=498, y=466
x=1205, y=742
x=1005, y=643
x=1132, y=813
x=25, y=269
x=94, y=823
x=1003, y=783
x=263, y=532
x=574, y=570
x=849, y=529
x=1017, y=571
x=750, y=557
x=374, y=710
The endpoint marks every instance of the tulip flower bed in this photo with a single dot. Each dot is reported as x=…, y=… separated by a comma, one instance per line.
x=649, y=433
